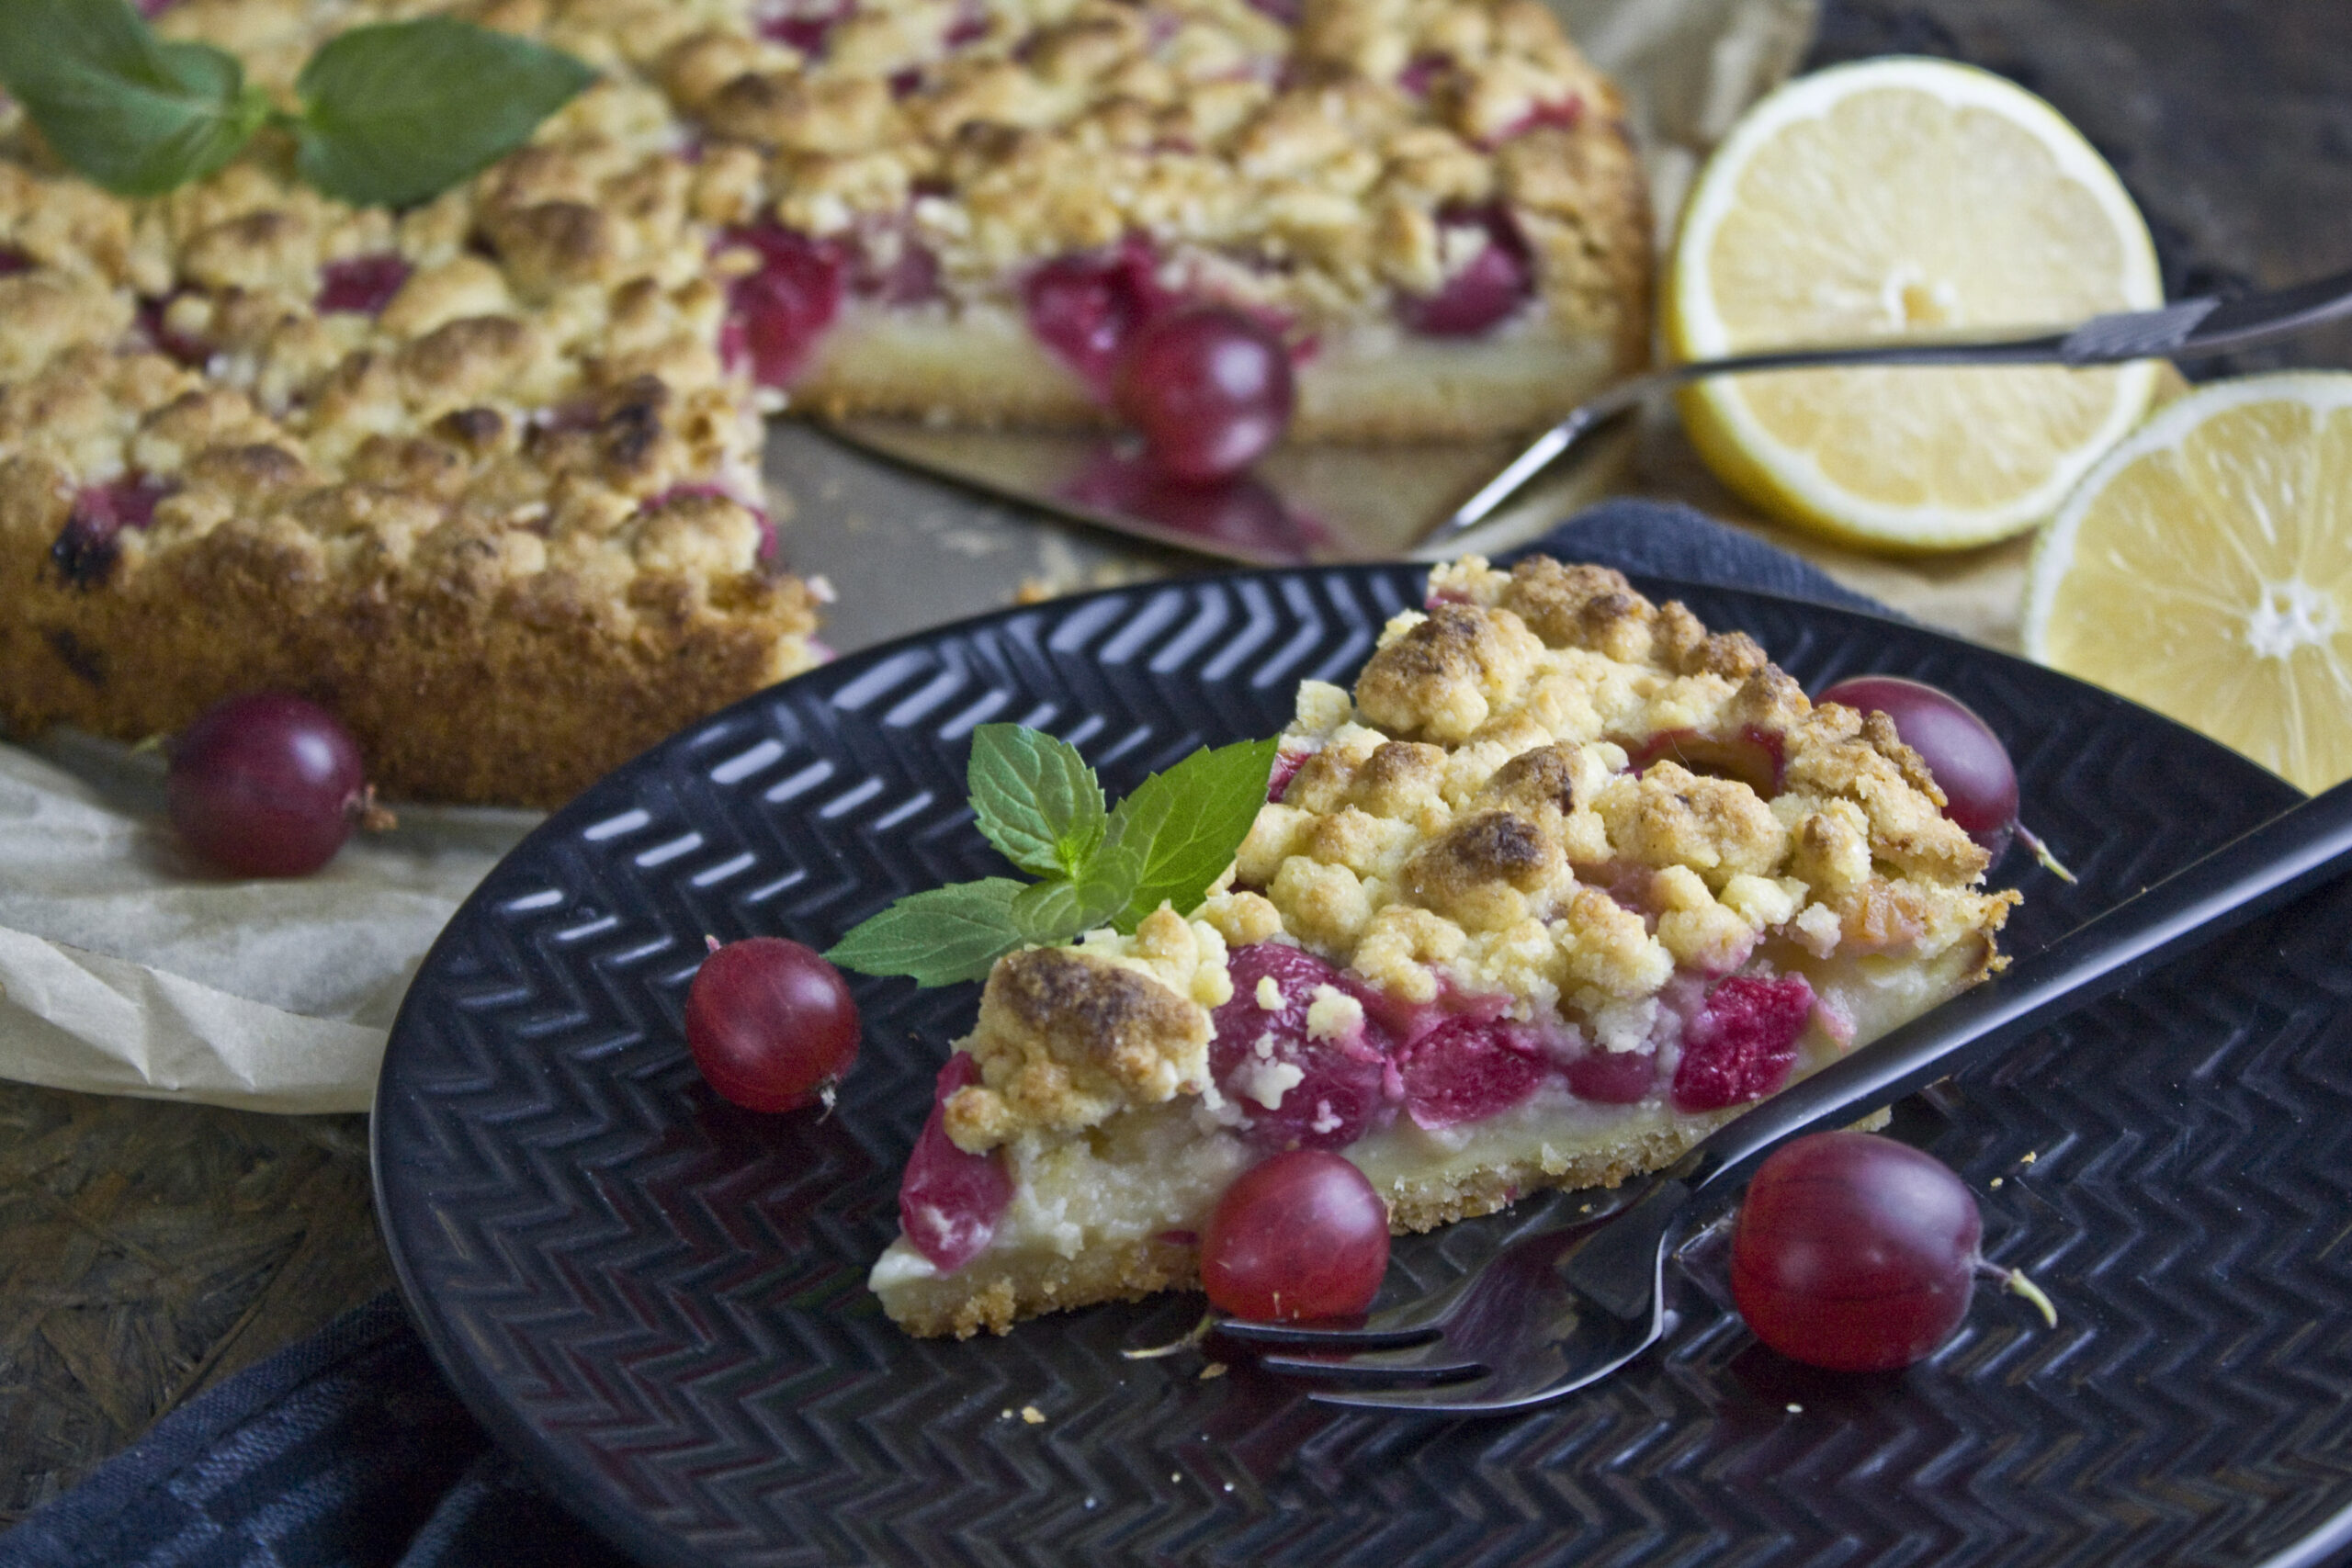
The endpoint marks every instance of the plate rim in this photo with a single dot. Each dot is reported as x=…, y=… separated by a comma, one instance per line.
x=635, y=1531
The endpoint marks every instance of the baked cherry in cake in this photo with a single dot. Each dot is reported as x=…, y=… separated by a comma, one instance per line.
x=1563, y=884
x=1209, y=389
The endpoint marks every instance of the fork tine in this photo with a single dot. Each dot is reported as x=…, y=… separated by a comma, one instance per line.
x=1539, y=1380
x=1529, y=1337
x=1530, y=1380
x=1309, y=1336
x=1438, y=1360
x=1423, y=1318
x=1411, y=1322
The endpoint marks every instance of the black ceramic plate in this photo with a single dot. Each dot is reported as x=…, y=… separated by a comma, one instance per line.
x=657, y=1301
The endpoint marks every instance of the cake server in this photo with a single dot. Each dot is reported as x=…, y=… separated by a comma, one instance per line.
x=1328, y=503
x=2189, y=329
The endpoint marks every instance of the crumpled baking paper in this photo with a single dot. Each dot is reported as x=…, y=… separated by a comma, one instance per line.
x=124, y=969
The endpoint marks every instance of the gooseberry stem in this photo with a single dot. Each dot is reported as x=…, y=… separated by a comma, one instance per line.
x=2014, y=1280
x=1192, y=1336
x=371, y=817
x=2041, y=852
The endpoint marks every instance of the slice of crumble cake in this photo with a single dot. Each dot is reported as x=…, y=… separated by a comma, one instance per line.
x=1563, y=885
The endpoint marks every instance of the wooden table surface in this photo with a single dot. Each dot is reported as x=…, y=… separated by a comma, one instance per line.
x=147, y=1250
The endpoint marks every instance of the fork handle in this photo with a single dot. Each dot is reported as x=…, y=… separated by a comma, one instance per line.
x=2299, y=849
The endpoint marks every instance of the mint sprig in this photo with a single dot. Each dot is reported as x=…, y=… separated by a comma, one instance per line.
x=390, y=114
x=1042, y=806
x=397, y=113
x=1185, y=825
x=941, y=936
x=1037, y=801
x=136, y=114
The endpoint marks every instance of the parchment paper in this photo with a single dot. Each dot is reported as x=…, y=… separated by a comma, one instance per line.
x=127, y=969
x=123, y=969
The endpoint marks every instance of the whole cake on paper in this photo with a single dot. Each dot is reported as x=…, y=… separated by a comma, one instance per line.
x=477, y=465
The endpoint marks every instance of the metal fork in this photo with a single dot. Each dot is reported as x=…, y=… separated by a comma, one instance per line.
x=2187, y=329
x=1563, y=1305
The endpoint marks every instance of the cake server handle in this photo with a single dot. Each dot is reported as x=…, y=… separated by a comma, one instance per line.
x=2187, y=329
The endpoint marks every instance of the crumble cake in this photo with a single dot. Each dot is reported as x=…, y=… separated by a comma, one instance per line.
x=1563, y=885
x=482, y=475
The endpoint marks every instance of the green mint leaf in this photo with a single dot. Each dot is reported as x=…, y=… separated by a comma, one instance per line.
x=121, y=106
x=1059, y=908
x=939, y=937
x=398, y=112
x=1183, y=826
x=1037, y=801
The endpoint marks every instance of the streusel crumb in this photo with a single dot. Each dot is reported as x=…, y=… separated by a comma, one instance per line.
x=1565, y=669
x=1067, y=1038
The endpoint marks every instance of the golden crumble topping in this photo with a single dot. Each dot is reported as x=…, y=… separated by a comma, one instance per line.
x=545, y=347
x=1319, y=171
x=1472, y=819
x=1069, y=1036
x=1501, y=864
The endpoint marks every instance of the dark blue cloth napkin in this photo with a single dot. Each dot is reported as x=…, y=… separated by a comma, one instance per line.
x=349, y=1450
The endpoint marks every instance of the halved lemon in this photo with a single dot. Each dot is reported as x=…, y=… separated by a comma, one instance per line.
x=2205, y=570
x=1897, y=196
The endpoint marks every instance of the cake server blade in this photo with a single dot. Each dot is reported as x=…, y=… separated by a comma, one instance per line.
x=1326, y=504
x=1335, y=504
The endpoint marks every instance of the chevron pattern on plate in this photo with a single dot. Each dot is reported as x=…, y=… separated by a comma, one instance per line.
x=658, y=1300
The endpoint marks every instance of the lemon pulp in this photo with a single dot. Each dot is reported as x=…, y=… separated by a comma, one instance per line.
x=2205, y=570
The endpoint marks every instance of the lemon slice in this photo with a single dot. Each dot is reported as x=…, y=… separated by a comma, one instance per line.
x=2205, y=570
x=1889, y=197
